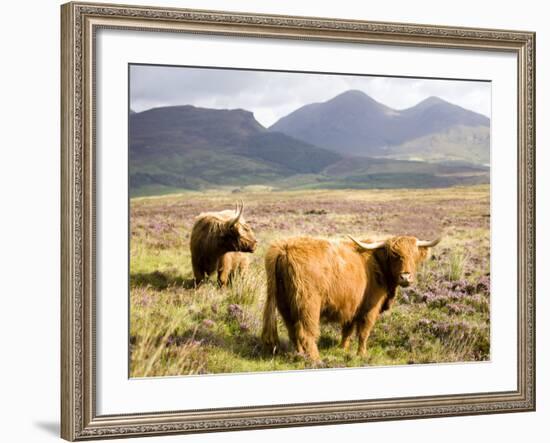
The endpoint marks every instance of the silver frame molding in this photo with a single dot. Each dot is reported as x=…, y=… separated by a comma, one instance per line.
x=79, y=22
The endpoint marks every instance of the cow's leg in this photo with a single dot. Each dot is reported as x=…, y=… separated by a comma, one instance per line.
x=300, y=337
x=347, y=330
x=307, y=342
x=224, y=275
x=307, y=331
x=291, y=328
x=198, y=271
x=287, y=316
x=364, y=327
x=299, y=342
x=224, y=270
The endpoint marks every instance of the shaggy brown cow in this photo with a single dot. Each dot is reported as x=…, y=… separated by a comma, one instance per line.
x=217, y=240
x=349, y=282
x=230, y=264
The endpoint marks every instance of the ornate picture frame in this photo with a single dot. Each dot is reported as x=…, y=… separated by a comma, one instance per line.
x=80, y=23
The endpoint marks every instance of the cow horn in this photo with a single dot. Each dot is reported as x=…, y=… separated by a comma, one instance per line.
x=239, y=210
x=427, y=244
x=367, y=246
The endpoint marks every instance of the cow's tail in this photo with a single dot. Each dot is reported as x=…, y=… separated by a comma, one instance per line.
x=270, y=337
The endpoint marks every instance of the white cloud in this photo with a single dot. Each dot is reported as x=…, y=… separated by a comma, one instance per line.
x=272, y=95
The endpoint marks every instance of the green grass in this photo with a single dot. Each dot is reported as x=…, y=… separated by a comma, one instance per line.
x=177, y=329
x=457, y=261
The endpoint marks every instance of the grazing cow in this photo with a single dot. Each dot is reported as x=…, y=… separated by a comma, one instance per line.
x=349, y=282
x=217, y=242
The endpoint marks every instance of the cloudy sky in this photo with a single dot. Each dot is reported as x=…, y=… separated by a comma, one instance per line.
x=272, y=95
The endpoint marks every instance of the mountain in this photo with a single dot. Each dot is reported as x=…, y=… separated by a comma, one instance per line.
x=296, y=156
x=179, y=148
x=345, y=124
x=456, y=144
x=434, y=115
x=186, y=147
x=190, y=128
x=353, y=123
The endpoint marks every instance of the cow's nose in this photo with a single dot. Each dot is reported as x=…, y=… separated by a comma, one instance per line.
x=406, y=278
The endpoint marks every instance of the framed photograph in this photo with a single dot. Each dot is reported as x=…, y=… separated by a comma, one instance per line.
x=275, y=221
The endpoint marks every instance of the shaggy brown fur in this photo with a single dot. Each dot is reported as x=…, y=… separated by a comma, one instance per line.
x=212, y=237
x=309, y=278
x=230, y=264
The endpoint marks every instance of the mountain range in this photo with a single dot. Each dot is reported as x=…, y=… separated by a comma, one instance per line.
x=349, y=141
x=353, y=123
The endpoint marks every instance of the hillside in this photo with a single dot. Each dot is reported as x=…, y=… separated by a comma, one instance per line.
x=458, y=143
x=185, y=147
x=190, y=148
x=383, y=173
x=353, y=123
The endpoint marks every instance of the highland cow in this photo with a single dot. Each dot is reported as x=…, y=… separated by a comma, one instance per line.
x=349, y=282
x=218, y=240
x=230, y=264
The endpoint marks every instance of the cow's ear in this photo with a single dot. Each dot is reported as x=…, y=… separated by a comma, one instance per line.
x=423, y=252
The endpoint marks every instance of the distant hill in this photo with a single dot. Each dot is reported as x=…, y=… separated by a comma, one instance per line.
x=190, y=148
x=455, y=144
x=187, y=128
x=353, y=123
x=347, y=124
x=185, y=147
x=367, y=172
